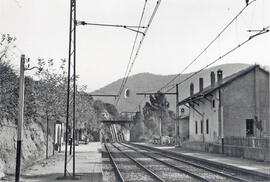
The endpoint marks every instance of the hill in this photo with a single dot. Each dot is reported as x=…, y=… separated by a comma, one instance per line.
x=147, y=82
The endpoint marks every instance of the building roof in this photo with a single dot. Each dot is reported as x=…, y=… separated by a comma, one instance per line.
x=210, y=89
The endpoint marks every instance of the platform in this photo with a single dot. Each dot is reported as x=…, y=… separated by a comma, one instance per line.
x=251, y=166
x=88, y=166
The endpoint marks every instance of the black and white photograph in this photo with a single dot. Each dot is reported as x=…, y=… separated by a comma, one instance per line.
x=134, y=90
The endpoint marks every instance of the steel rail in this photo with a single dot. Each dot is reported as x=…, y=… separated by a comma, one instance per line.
x=116, y=169
x=244, y=172
x=141, y=165
x=168, y=164
x=205, y=168
x=199, y=166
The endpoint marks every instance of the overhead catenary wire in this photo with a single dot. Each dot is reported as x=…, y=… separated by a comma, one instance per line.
x=205, y=49
x=132, y=50
x=138, y=49
x=263, y=31
x=108, y=25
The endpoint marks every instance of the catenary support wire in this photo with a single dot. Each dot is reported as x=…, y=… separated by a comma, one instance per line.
x=219, y=34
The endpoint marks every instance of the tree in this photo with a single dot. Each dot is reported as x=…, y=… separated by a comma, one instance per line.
x=111, y=109
x=51, y=94
x=52, y=89
x=137, y=131
x=6, y=46
x=9, y=89
x=156, y=113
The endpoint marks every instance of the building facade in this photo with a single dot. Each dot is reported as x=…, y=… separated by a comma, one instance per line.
x=237, y=105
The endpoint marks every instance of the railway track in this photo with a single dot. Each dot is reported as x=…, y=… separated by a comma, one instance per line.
x=146, y=165
x=194, y=171
x=199, y=172
x=127, y=168
x=228, y=173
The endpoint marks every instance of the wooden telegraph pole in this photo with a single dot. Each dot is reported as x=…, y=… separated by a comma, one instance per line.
x=20, y=117
x=20, y=120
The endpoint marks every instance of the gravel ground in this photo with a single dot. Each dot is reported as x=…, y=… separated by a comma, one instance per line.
x=107, y=168
x=167, y=173
x=202, y=173
x=248, y=177
x=130, y=171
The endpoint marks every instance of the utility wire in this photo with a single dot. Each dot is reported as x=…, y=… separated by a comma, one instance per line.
x=219, y=34
x=139, y=47
x=108, y=25
x=263, y=31
x=133, y=48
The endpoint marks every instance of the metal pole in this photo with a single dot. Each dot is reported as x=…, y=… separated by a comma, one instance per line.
x=68, y=86
x=113, y=139
x=160, y=130
x=177, y=124
x=71, y=142
x=47, y=134
x=20, y=121
x=115, y=133
x=74, y=86
x=141, y=119
x=74, y=91
x=54, y=128
x=61, y=133
x=54, y=135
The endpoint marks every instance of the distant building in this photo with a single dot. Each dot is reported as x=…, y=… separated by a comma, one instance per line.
x=228, y=107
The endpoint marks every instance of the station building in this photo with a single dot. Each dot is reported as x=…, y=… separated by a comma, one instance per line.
x=235, y=106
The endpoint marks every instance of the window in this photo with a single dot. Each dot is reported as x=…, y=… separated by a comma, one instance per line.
x=191, y=89
x=207, y=126
x=249, y=127
x=214, y=103
x=196, y=127
x=201, y=126
x=182, y=110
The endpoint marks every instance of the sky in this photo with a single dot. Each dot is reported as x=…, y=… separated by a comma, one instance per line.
x=180, y=30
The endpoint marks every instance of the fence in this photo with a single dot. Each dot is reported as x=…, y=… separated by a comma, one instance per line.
x=248, y=142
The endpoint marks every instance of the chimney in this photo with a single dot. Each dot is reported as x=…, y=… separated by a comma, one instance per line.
x=212, y=78
x=201, y=84
x=191, y=89
x=219, y=76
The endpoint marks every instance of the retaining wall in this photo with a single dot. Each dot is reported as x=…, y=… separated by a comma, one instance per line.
x=258, y=154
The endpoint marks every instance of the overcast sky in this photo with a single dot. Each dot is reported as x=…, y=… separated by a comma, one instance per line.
x=180, y=30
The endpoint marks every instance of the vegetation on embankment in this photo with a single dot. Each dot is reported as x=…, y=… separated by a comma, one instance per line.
x=45, y=102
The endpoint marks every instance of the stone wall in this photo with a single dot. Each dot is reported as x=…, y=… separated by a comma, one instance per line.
x=33, y=145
